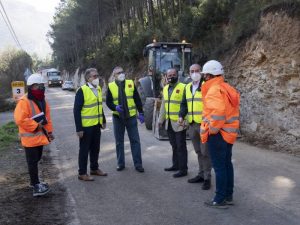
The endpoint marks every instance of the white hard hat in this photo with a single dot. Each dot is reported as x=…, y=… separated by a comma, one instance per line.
x=35, y=79
x=213, y=67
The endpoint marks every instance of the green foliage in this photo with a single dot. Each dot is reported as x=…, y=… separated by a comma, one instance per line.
x=8, y=135
x=106, y=33
x=13, y=64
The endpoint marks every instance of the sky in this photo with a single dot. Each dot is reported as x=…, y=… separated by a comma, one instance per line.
x=42, y=5
x=31, y=21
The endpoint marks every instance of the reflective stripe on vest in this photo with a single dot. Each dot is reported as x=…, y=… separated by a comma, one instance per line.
x=91, y=112
x=194, y=103
x=40, y=133
x=172, y=104
x=129, y=90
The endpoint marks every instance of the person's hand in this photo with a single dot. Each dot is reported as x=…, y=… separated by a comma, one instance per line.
x=40, y=125
x=80, y=134
x=119, y=108
x=103, y=126
x=141, y=118
x=51, y=136
x=180, y=121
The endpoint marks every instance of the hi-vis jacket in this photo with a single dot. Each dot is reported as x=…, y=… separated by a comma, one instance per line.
x=30, y=136
x=172, y=102
x=221, y=110
x=194, y=103
x=91, y=112
x=129, y=91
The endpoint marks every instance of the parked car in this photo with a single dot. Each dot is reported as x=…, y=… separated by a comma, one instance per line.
x=68, y=85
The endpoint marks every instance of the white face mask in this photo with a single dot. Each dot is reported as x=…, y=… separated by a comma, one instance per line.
x=95, y=82
x=196, y=76
x=121, y=77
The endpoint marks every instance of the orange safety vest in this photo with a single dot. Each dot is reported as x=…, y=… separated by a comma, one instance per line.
x=221, y=110
x=30, y=137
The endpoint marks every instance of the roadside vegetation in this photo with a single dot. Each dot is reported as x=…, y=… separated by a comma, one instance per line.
x=8, y=135
x=105, y=33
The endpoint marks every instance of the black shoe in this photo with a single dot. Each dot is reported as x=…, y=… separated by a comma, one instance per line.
x=140, y=169
x=212, y=204
x=40, y=189
x=172, y=168
x=120, y=168
x=229, y=201
x=196, y=179
x=180, y=174
x=206, y=185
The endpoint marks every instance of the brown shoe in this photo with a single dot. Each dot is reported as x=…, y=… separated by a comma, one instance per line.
x=98, y=172
x=85, y=177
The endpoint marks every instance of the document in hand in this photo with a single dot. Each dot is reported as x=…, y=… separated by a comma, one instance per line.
x=39, y=117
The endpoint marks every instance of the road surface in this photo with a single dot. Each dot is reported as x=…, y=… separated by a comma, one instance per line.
x=266, y=183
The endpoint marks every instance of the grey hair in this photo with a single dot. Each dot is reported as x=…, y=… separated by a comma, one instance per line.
x=87, y=73
x=196, y=65
x=115, y=69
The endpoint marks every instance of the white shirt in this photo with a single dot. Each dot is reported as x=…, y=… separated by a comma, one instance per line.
x=94, y=89
x=195, y=86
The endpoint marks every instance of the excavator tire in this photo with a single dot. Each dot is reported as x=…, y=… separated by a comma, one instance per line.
x=148, y=112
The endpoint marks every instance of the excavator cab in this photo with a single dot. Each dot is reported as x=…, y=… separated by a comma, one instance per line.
x=161, y=56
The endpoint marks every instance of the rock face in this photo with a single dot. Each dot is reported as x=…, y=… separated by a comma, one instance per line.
x=266, y=71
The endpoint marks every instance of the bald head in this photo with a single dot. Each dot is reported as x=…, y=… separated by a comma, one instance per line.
x=172, y=76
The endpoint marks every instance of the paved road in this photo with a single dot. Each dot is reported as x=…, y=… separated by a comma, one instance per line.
x=266, y=183
x=6, y=117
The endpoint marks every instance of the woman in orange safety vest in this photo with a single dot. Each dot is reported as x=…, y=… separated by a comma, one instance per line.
x=32, y=116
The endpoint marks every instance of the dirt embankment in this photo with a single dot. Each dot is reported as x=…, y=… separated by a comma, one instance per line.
x=266, y=70
x=16, y=202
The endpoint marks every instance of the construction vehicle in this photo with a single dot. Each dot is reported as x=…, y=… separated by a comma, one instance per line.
x=53, y=77
x=161, y=57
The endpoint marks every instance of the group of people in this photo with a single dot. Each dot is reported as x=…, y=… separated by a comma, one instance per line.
x=208, y=107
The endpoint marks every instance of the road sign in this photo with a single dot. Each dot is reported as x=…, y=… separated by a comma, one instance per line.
x=18, y=89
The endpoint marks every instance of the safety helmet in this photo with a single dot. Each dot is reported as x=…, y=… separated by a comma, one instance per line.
x=213, y=67
x=35, y=79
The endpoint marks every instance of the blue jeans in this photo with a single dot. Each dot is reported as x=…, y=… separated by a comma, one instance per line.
x=220, y=153
x=134, y=138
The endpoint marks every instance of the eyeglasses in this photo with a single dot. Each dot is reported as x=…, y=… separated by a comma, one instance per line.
x=119, y=72
x=95, y=75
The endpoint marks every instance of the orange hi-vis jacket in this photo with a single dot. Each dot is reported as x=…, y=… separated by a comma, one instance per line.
x=30, y=136
x=221, y=110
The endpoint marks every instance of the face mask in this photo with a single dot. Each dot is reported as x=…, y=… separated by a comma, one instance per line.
x=38, y=94
x=172, y=80
x=196, y=76
x=121, y=77
x=95, y=82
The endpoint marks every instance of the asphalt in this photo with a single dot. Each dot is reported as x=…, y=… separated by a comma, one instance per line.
x=266, y=182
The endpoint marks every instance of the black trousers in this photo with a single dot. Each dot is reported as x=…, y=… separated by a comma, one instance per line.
x=178, y=143
x=89, y=144
x=33, y=156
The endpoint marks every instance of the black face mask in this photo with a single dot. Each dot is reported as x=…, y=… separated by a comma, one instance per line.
x=172, y=80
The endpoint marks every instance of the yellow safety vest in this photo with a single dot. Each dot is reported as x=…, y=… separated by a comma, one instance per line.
x=129, y=90
x=194, y=103
x=91, y=112
x=172, y=104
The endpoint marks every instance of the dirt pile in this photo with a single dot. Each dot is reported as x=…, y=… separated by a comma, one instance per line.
x=266, y=70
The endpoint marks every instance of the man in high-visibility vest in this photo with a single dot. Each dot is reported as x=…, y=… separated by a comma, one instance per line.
x=192, y=106
x=32, y=116
x=89, y=120
x=124, y=100
x=169, y=111
x=219, y=129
